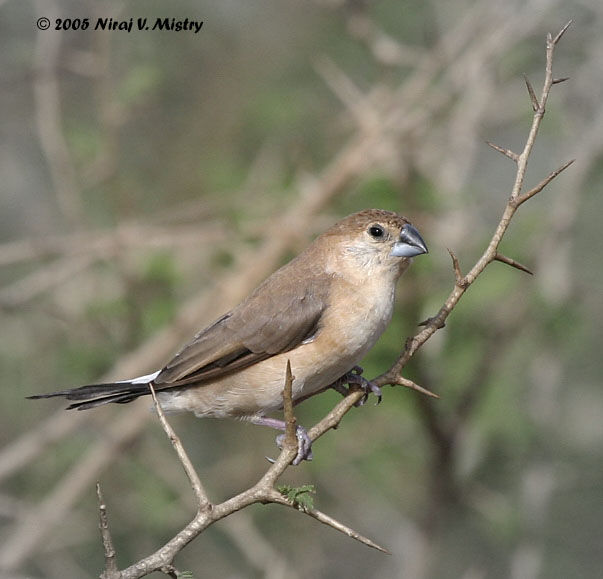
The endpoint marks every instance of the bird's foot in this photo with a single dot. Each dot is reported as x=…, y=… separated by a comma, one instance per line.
x=304, y=442
x=355, y=378
x=304, y=445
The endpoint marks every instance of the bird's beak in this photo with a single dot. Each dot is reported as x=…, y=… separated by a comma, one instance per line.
x=410, y=243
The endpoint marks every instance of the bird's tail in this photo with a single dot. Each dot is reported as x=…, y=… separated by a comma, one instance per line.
x=93, y=395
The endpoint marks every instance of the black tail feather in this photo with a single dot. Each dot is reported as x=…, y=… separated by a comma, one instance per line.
x=93, y=395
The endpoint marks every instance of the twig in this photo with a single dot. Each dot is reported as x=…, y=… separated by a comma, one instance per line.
x=203, y=503
x=111, y=570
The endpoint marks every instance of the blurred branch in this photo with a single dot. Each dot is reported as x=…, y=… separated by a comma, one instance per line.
x=77, y=252
x=42, y=280
x=385, y=49
x=359, y=105
x=111, y=113
x=258, y=550
x=105, y=244
x=49, y=119
x=354, y=158
x=314, y=194
x=445, y=429
x=32, y=527
x=19, y=453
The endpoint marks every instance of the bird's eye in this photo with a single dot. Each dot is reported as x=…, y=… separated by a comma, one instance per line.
x=376, y=231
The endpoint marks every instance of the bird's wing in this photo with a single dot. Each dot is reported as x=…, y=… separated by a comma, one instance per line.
x=276, y=317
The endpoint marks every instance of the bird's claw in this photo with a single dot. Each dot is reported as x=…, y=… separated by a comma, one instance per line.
x=355, y=377
x=304, y=445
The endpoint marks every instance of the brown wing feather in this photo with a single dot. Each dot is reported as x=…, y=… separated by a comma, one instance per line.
x=277, y=316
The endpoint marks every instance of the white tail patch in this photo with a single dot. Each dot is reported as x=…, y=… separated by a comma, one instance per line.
x=141, y=379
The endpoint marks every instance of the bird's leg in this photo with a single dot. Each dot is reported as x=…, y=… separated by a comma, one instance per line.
x=355, y=377
x=304, y=444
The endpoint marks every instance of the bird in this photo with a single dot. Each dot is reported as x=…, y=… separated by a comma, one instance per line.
x=321, y=312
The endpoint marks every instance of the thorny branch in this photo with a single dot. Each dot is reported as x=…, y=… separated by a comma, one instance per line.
x=264, y=491
x=491, y=253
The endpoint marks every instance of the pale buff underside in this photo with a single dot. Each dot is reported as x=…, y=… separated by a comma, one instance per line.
x=356, y=317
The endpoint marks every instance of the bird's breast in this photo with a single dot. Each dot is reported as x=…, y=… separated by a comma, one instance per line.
x=350, y=325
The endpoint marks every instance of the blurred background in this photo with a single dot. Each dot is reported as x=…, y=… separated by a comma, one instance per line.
x=151, y=179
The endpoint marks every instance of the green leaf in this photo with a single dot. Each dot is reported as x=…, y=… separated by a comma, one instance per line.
x=301, y=497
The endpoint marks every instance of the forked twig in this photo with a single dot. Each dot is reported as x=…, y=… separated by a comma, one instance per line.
x=535, y=190
x=262, y=492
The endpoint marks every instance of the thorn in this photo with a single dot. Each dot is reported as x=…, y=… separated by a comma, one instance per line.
x=560, y=80
x=457, y=269
x=504, y=259
x=413, y=386
x=562, y=32
x=517, y=201
x=331, y=522
x=506, y=152
x=428, y=321
x=290, y=440
x=533, y=98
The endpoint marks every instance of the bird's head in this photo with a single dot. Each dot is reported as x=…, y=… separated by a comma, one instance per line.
x=376, y=239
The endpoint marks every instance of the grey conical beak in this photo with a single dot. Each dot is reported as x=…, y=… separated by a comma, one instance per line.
x=410, y=243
